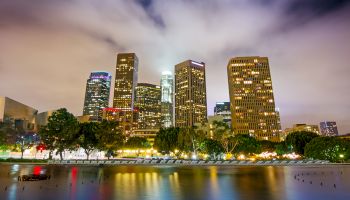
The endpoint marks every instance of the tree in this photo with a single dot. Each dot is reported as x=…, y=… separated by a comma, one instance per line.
x=328, y=148
x=211, y=147
x=268, y=146
x=221, y=130
x=23, y=144
x=87, y=137
x=167, y=140
x=3, y=144
x=61, y=131
x=47, y=139
x=110, y=138
x=137, y=143
x=189, y=139
x=223, y=134
x=281, y=148
x=296, y=141
x=246, y=144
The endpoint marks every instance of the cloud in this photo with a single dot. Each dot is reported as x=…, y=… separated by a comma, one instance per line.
x=48, y=48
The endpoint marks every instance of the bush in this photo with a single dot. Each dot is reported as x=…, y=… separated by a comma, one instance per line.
x=328, y=148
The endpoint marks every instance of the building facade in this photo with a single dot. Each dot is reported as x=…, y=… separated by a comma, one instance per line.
x=124, y=88
x=223, y=109
x=329, y=128
x=190, y=94
x=18, y=115
x=167, y=95
x=251, y=98
x=119, y=116
x=148, y=104
x=301, y=127
x=97, y=94
x=41, y=119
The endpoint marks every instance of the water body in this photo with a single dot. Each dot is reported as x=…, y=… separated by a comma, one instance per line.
x=168, y=182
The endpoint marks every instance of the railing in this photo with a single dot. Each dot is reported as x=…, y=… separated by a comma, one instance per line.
x=189, y=162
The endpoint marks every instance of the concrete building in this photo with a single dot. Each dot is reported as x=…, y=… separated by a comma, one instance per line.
x=329, y=128
x=301, y=127
x=19, y=115
x=97, y=95
x=41, y=119
x=223, y=109
x=148, y=103
x=124, y=88
x=190, y=94
x=251, y=97
x=167, y=94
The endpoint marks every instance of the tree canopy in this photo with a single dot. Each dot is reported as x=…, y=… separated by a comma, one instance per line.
x=328, y=148
x=109, y=136
x=137, y=143
x=212, y=147
x=167, y=140
x=246, y=144
x=297, y=141
x=87, y=137
x=60, y=132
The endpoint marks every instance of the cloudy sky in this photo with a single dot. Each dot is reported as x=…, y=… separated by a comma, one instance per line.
x=49, y=47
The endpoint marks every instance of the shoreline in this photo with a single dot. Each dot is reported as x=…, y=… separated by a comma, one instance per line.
x=176, y=163
x=172, y=162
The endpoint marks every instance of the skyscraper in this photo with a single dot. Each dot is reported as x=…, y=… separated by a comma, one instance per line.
x=329, y=128
x=251, y=97
x=124, y=88
x=147, y=102
x=166, y=85
x=97, y=94
x=190, y=94
x=223, y=109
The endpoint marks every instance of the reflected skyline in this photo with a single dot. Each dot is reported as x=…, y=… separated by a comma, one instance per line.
x=139, y=182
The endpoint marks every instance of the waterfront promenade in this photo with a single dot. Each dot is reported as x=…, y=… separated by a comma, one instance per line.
x=174, y=162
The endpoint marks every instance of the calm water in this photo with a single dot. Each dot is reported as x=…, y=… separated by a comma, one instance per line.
x=160, y=182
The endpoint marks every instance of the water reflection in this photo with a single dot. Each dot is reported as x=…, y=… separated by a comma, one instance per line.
x=141, y=182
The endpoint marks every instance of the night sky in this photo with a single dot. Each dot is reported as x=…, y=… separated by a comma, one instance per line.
x=48, y=48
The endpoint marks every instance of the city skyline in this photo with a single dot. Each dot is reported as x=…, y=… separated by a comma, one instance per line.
x=308, y=57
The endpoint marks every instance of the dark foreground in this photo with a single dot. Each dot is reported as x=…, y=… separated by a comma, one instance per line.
x=163, y=182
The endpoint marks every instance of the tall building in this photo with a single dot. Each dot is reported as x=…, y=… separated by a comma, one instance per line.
x=223, y=109
x=148, y=103
x=251, y=97
x=97, y=94
x=190, y=94
x=167, y=94
x=329, y=128
x=124, y=88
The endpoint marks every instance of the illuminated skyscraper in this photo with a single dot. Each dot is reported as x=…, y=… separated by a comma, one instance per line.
x=124, y=88
x=251, y=96
x=329, y=128
x=97, y=94
x=223, y=109
x=190, y=94
x=147, y=102
x=166, y=84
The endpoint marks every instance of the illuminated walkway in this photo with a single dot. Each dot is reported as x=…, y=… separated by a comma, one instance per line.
x=188, y=162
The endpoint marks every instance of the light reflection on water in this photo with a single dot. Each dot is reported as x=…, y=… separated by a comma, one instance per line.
x=161, y=182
